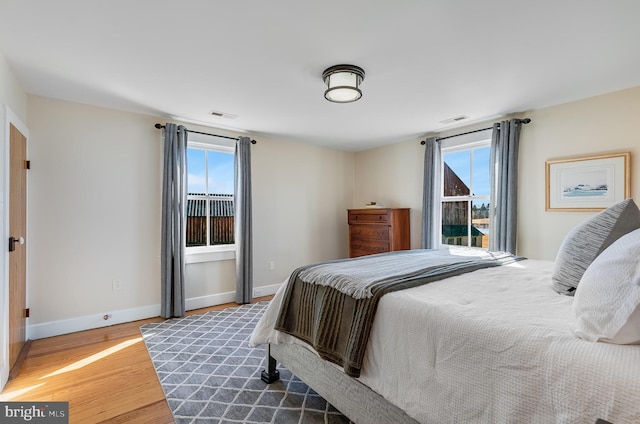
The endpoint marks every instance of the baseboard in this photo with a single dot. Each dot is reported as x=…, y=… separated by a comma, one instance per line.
x=228, y=297
x=266, y=290
x=89, y=322
x=210, y=300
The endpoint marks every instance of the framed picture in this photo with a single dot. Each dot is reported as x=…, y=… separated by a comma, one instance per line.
x=588, y=183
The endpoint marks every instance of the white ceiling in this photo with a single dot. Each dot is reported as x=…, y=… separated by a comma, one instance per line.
x=425, y=61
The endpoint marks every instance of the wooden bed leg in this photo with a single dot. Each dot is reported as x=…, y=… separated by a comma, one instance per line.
x=270, y=373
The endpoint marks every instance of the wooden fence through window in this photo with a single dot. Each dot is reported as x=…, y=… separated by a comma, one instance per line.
x=221, y=230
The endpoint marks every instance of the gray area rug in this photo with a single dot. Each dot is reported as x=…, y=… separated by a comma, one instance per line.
x=209, y=373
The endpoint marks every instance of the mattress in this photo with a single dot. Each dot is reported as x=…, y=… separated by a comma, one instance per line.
x=492, y=346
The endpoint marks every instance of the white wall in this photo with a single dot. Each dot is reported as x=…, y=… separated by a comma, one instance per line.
x=94, y=202
x=392, y=175
x=94, y=215
x=13, y=101
x=601, y=124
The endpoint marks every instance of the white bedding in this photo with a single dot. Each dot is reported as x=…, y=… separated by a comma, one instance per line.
x=492, y=346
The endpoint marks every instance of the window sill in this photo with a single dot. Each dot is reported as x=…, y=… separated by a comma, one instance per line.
x=194, y=255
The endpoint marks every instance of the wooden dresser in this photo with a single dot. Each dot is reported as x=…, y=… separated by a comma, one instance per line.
x=378, y=230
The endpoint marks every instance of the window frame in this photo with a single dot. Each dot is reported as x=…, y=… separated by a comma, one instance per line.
x=480, y=141
x=220, y=252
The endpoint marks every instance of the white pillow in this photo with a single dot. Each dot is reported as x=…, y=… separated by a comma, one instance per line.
x=607, y=300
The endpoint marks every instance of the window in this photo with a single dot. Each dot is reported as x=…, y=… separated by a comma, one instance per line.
x=210, y=206
x=465, y=196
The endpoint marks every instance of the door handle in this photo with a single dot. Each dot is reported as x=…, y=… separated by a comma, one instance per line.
x=12, y=242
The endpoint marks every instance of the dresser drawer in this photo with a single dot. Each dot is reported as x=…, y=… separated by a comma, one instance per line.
x=375, y=232
x=378, y=230
x=369, y=216
x=363, y=247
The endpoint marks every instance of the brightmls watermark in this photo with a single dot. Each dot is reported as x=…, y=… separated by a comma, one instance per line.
x=34, y=412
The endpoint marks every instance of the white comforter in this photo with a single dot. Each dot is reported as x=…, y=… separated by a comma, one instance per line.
x=492, y=346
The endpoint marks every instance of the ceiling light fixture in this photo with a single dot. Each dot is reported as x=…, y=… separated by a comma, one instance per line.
x=343, y=83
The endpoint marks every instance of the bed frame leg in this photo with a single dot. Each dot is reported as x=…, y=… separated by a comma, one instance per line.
x=270, y=374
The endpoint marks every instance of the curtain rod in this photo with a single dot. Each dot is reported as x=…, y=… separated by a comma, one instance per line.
x=523, y=121
x=159, y=126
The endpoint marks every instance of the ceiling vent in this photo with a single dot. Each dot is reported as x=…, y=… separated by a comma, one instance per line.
x=222, y=114
x=453, y=120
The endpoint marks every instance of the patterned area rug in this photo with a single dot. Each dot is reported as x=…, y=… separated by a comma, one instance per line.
x=209, y=373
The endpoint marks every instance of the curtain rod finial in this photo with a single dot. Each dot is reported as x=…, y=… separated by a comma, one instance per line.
x=158, y=126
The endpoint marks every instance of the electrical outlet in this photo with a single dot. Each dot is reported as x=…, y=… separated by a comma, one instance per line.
x=116, y=285
x=272, y=266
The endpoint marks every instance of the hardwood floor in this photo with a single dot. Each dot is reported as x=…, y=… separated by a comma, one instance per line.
x=105, y=374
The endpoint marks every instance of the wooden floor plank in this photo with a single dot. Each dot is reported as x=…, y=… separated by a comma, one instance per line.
x=154, y=413
x=105, y=374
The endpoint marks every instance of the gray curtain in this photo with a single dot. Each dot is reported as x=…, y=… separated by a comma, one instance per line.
x=243, y=221
x=503, y=212
x=174, y=199
x=431, y=194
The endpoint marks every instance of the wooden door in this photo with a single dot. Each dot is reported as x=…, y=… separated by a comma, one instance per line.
x=17, y=229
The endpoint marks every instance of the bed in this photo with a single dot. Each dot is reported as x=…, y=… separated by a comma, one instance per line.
x=501, y=344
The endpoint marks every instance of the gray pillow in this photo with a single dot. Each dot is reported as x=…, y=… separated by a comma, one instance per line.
x=587, y=240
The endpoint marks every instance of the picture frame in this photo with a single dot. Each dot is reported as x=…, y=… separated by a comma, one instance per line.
x=588, y=183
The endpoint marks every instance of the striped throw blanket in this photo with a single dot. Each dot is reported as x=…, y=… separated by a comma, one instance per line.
x=356, y=277
x=331, y=305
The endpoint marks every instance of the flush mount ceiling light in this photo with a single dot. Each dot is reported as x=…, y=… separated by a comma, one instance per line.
x=343, y=83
